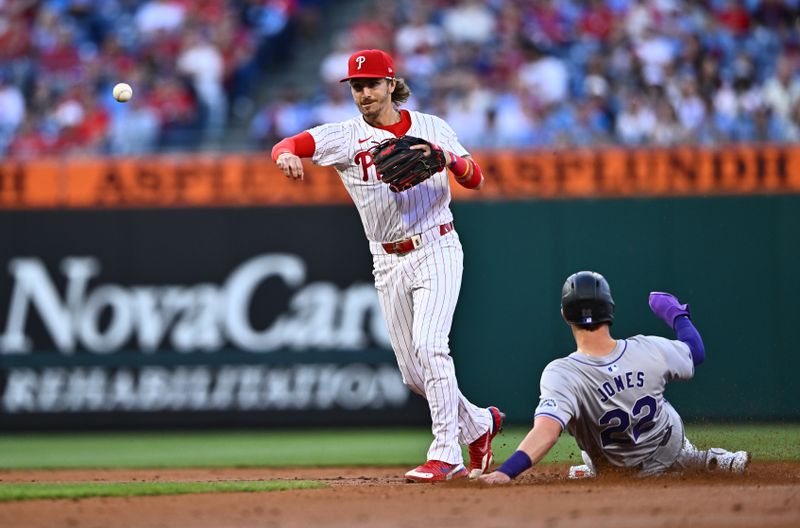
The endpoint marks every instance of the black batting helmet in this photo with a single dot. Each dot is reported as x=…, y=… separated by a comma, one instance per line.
x=586, y=299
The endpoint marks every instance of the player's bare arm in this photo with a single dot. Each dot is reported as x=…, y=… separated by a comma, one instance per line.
x=536, y=444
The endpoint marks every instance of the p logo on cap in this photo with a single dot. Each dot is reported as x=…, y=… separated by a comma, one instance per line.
x=373, y=63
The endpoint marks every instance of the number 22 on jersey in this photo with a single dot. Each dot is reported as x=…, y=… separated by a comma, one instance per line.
x=619, y=421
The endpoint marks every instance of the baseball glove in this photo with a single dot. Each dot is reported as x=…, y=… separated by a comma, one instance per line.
x=402, y=167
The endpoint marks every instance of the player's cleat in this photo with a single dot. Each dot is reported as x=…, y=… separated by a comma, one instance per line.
x=581, y=472
x=723, y=460
x=480, y=451
x=741, y=459
x=436, y=471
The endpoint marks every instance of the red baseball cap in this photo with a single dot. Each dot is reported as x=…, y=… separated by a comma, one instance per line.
x=371, y=63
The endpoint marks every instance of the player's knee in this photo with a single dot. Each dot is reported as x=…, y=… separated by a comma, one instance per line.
x=431, y=353
x=415, y=388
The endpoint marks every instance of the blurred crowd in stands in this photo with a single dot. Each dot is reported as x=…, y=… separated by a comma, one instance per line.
x=192, y=65
x=577, y=73
x=503, y=73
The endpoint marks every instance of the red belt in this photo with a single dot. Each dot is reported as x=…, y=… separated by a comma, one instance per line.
x=413, y=242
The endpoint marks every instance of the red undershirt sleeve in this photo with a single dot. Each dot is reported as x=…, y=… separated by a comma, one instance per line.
x=466, y=170
x=301, y=144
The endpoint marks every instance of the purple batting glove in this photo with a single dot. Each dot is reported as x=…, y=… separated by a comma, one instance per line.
x=667, y=307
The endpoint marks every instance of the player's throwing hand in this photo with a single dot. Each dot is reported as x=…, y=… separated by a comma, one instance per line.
x=290, y=165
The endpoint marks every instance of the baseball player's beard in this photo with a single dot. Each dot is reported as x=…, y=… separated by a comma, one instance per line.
x=376, y=106
x=371, y=113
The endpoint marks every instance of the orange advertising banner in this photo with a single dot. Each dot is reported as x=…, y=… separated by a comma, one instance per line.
x=254, y=180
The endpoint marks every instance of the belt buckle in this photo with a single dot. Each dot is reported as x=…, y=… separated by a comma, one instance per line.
x=416, y=241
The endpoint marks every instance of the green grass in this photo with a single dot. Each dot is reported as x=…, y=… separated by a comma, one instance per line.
x=80, y=490
x=355, y=447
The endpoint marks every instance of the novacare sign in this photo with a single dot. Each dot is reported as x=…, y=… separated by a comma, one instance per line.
x=105, y=318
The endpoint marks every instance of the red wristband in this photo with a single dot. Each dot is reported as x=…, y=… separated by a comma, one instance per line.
x=458, y=166
x=473, y=180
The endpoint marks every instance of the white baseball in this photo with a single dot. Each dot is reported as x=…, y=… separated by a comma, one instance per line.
x=122, y=92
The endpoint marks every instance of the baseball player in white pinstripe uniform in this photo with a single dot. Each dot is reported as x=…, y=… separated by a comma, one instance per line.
x=417, y=255
x=609, y=394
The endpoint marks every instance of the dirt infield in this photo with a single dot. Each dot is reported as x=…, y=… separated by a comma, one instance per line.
x=767, y=496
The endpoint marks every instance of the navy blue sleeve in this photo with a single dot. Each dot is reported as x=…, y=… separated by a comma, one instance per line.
x=689, y=335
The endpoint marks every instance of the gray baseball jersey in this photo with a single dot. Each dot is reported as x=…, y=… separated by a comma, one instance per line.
x=614, y=405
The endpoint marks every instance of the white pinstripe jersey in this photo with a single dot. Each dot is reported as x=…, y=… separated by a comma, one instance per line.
x=387, y=216
x=614, y=405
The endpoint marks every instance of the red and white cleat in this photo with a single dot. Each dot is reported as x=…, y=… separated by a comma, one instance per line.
x=480, y=451
x=436, y=471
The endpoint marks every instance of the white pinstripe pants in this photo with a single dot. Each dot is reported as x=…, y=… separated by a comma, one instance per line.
x=418, y=292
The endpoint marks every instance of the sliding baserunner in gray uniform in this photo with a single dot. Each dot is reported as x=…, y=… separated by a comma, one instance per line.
x=609, y=394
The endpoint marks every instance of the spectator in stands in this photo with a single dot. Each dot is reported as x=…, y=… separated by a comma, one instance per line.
x=14, y=39
x=466, y=112
x=590, y=127
x=469, y=21
x=597, y=21
x=513, y=122
x=374, y=29
x=791, y=125
x=640, y=18
x=238, y=48
x=656, y=52
x=636, y=123
x=782, y=90
x=116, y=61
x=336, y=108
x=689, y=105
x=30, y=141
x=135, y=128
x=289, y=116
x=271, y=20
x=12, y=110
x=732, y=15
x=776, y=14
x=204, y=65
x=58, y=57
x=92, y=131
x=157, y=16
x=333, y=66
x=177, y=112
x=68, y=114
x=544, y=76
x=668, y=130
x=551, y=24
x=418, y=33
